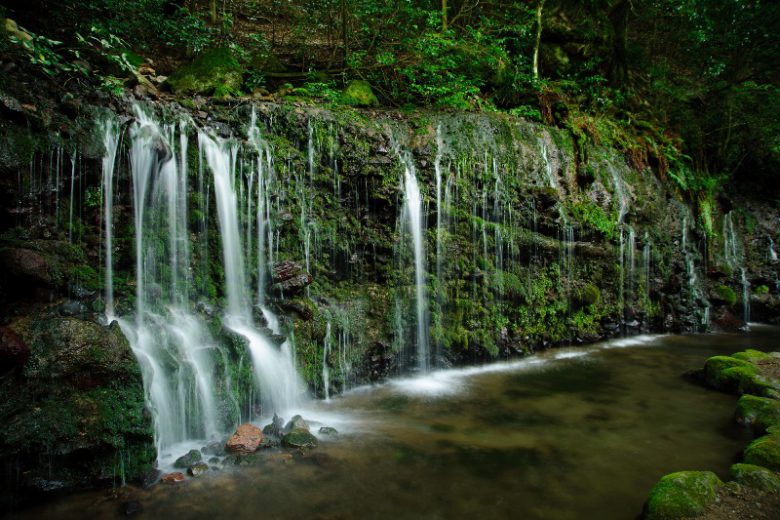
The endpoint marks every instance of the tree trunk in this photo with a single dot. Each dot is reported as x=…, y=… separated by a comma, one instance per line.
x=443, y=15
x=345, y=30
x=618, y=17
x=538, y=40
x=213, y=10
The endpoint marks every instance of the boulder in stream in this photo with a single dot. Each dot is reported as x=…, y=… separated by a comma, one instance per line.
x=245, y=441
x=299, y=439
x=185, y=461
x=296, y=423
x=681, y=495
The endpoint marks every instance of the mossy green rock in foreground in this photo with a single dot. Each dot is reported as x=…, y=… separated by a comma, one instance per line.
x=299, y=439
x=215, y=72
x=764, y=451
x=75, y=416
x=682, y=494
x=358, y=93
x=755, y=477
x=759, y=412
x=747, y=372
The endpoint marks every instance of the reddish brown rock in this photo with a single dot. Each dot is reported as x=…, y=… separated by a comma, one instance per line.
x=173, y=478
x=14, y=352
x=246, y=440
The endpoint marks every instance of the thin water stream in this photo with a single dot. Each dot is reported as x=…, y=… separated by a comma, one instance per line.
x=568, y=434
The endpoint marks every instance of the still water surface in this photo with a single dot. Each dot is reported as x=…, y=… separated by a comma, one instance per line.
x=575, y=433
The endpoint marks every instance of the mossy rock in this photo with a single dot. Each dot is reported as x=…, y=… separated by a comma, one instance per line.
x=681, y=495
x=189, y=459
x=588, y=295
x=726, y=294
x=299, y=439
x=755, y=477
x=752, y=355
x=214, y=72
x=764, y=451
x=731, y=374
x=761, y=289
x=359, y=93
x=759, y=412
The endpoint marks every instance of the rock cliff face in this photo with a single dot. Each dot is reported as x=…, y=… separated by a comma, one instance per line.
x=367, y=235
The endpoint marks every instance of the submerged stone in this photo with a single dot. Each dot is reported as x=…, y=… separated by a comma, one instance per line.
x=172, y=478
x=329, y=430
x=197, y=469
x=185, y=461
x=681, y=495
x=755, y=477
x=300, y=439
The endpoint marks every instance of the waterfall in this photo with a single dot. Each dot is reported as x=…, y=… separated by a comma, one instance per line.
x=325, y=368
x=274, y=369
x=772, y=252
x=110, y=143
x=174, y=349
x=439, y=208
x=730, y=249
x=745, y=295
x=72, y=193
x=412, y=220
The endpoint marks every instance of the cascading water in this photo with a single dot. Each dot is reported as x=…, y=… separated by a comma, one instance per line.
x=772, y=252
x=325, y=368
x=175, y=351
x=111, y=143
x=412, y=223
x=276, y=377
x=745, y=295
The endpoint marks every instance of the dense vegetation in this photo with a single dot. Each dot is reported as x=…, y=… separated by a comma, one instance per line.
x=672, y=82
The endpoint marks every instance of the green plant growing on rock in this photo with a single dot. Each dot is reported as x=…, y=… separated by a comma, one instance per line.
x=681, y=495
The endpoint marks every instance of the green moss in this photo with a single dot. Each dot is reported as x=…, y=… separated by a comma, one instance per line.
x=681, y=495
x=751, y=355
x=359, y=93
x=755, y=477
x=764, y=451
x=727, y=373
x=726, y=294
x=299, y=439
x=761, y=289
x=760, y=412
x=589, y=295
x=214, y=72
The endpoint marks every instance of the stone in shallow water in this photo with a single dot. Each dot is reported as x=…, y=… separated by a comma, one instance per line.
x=246, y=439
x=764, y=451
x=299, y=439
x=214, y=448
x=173, y=478
x=198, y=469
x=185, y=461
x=130, y=508
x=329, y=430
x=276, y=428
x=296, y=423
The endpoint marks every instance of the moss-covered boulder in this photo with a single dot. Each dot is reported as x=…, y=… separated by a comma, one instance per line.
x=681, y=495
x=299, y=439
x=75, y=416
x=215, y=72
x=764, y=451
x=724, y=294
x=759, y=412
x=359, y=93
x=188, y=459
x=755, y=477
x=743, y=373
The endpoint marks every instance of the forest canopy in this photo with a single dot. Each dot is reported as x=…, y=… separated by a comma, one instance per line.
x=686, y=87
